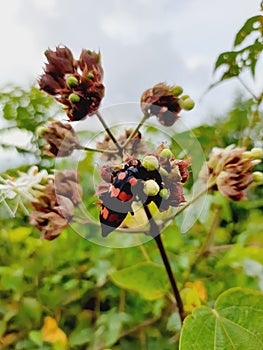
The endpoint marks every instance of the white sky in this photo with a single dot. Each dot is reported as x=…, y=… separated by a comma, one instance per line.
x=142, y=43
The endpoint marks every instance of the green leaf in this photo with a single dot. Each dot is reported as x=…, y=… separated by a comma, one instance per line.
x=36, y=337
x=147, y=279
x=251, y=25
x=236, y=323
x=19, y=234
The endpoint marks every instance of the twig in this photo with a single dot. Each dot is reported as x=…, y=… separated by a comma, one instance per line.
x=107, y=129
x=248, y=89
x=155, y=232
x=140, y=326
x=97, y=150
x=144, y=118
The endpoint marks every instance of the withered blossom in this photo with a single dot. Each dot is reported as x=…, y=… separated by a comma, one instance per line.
x=161, y=102
x=229, y=170
x=77, y=84
x=61, y=138
x=54, y=205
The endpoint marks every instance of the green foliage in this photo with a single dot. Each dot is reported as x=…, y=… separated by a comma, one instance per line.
x=236, y=322
x=235, y=62
x=23, y=111
x=73, y=294
x=148, y=279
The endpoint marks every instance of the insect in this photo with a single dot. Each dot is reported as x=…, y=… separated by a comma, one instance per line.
x=126, y=187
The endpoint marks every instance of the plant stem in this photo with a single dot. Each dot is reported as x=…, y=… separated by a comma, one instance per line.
x=155, y=232
x=107, y=129
x=96, y=150
x=248, y=89
x=144, y=118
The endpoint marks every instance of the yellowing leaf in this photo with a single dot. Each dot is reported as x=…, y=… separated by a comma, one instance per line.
x=52, y=333
x=199, y=287
x=191, y=299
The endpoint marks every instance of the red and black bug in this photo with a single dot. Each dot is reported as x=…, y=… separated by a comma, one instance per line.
x=126, y=187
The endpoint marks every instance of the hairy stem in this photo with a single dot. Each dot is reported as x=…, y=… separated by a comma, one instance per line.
x=107, y=129
x=155, y=232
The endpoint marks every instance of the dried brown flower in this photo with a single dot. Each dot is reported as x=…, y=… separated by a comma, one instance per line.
x=61, y=139
x=162, y=102
x=54, y=206
x=230, y=171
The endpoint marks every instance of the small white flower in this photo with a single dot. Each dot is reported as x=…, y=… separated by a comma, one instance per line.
x=22, y=187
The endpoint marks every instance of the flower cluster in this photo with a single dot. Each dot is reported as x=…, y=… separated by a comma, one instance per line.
x=77, y=84
x=229, y=170
x=22, y=187
x=54, y=205
x=164, y=102
x=157, y=178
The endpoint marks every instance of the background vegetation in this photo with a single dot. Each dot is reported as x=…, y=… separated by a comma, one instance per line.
x=73, y=294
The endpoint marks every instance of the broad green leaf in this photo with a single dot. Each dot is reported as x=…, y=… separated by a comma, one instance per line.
x=235, y=323
x=251, y=25
x=147, y=279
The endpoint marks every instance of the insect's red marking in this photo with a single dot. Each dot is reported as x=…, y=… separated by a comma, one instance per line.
x=133, y=181
x=121, y=176
x=114, y=218
x=124, y=197
x=104, y=212
x=114, y=191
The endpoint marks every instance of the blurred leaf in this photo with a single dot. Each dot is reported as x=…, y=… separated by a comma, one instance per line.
x=2, y=327
x=236, y=322
x=11, y=277
x=19, y=234
x=52, y=333
x=251, y=25
x=36, y=337
x=174, y=323
x=147, y=279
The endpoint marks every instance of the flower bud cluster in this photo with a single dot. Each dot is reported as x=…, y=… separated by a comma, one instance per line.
x=165, y=103
x=77, y=84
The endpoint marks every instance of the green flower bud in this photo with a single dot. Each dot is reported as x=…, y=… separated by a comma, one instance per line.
x=184, y=97
x=150, y=163
x=164, y=193
x=258, y=176
x=74, y=98
x=71, y=81
x=255, y=162
x=90, y=75
x=162, y=171
x=166, y=153
x=177, y=90
x=247, y=154
x=41, y=130
x=257, y=152
x=151, y=188
x=187, y=104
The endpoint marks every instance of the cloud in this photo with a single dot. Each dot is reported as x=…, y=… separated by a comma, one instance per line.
x=141, y=42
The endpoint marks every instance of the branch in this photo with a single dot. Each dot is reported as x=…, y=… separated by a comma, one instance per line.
x=144, y=118
x=107, y=129
x=155, y=233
